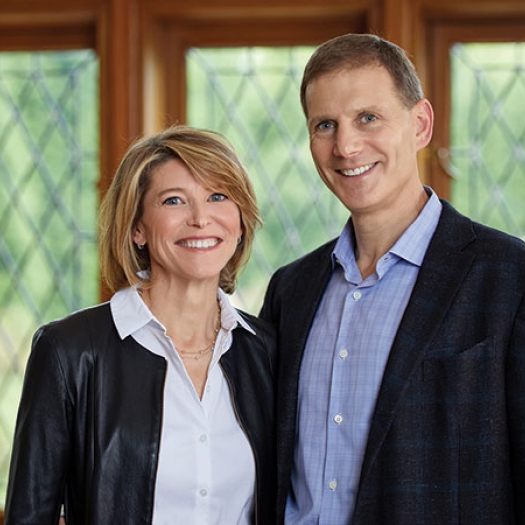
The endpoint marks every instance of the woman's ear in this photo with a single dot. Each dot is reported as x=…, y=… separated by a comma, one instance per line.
x=424, y=122
x=137, y=235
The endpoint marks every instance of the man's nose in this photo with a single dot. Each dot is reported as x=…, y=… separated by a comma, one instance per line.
x=347, y=141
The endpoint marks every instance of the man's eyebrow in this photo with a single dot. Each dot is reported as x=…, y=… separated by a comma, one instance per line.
x=317, y=119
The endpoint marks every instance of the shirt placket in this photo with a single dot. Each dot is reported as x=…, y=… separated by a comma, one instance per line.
x=336, y=482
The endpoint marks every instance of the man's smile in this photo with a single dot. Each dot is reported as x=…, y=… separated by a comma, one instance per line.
x=357, y=171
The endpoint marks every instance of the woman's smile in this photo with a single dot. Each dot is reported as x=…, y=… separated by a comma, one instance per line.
x=199, y=244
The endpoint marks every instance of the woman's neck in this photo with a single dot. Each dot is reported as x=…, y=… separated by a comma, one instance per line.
x=189, y=316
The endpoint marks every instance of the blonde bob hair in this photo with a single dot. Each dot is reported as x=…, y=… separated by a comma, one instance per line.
x=212, y=161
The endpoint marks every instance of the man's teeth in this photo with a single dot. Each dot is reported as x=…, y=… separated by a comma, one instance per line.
x=200, y=243
x=357, y=171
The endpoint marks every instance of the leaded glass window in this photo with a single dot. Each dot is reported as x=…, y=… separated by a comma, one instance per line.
x=48, y=205
x=488, y=133
x=251, y=95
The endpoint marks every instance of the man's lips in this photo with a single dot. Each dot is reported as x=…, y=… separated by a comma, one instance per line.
x=357, y=171
x=199, y=243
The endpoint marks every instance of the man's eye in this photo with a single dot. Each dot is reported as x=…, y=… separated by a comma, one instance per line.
x=323, y=126
x=365, y=119
x=218, y=197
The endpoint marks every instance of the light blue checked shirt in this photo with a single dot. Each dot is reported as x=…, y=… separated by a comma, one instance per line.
x=342, y=368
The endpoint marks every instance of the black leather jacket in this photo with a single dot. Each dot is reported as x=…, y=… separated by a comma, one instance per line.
x=90, y=416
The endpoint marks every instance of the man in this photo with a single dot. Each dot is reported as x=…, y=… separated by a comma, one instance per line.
x=402, y=342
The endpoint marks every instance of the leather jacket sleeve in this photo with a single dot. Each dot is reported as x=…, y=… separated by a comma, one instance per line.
x=88, y=426
x=42, y=443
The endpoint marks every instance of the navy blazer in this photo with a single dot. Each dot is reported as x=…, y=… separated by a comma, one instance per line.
x=447, y=439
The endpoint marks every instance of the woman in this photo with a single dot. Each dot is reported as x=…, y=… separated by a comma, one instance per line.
x=157, y=407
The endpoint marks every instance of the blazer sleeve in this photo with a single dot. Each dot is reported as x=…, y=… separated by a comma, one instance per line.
x=41, y=444
x=516, y=411
x=268, y=310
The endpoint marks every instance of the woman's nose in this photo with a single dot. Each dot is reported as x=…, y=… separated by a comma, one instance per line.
x=198, y=216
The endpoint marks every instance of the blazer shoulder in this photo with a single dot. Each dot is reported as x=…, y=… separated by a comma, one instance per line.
x=311, y=260
x=458, y=230
x=298, y=286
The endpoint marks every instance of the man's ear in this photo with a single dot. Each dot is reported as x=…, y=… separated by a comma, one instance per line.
x=424, y=122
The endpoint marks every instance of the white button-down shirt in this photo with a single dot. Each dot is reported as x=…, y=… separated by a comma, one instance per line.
x=206, y=471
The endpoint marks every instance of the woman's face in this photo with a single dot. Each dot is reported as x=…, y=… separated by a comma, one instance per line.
x=191, y=232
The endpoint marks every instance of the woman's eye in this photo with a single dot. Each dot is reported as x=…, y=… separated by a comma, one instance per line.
x=218, y=197
x=172, y=200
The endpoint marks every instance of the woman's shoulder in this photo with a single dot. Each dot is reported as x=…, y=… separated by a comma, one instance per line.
x=260, y=326
x=79, y=325
x=63, y=343
x=252, y=349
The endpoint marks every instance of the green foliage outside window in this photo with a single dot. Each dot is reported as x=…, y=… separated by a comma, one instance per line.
x=488, y=133
x=48, y=206
x=251, y=95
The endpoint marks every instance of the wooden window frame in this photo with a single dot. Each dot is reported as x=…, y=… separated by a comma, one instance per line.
x=442, y=36
x=430, y=28
x=168, y=36
x=108, y=27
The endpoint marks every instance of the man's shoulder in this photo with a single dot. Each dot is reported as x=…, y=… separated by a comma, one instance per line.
x=319, y=256
x=299, y=283
x=458, y=229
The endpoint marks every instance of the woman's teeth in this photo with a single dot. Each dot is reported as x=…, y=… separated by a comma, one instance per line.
x=200, y=243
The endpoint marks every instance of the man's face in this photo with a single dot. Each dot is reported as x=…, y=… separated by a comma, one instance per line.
x=364, y=140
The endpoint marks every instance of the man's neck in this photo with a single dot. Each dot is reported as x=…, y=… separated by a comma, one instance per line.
x=376, y=233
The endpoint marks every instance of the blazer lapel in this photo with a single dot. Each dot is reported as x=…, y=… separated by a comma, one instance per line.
x=301, y=297
x=440, y=276
x=298, y=317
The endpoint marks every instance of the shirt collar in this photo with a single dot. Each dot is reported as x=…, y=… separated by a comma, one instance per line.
x=230, y=316
x=131, y=314
x=411, y=246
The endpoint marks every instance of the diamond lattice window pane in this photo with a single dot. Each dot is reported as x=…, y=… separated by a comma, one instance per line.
x=48, y=203
x=251, y=95
x=488, y=133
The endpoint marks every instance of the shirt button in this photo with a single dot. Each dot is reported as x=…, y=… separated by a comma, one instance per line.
x=203, y=438
x=343, y=354
x=338, y=419
x=356, y=296
x=203, y=492
x=332, y=485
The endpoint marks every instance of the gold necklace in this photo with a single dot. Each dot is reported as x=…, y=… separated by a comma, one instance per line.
x=185, y=354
